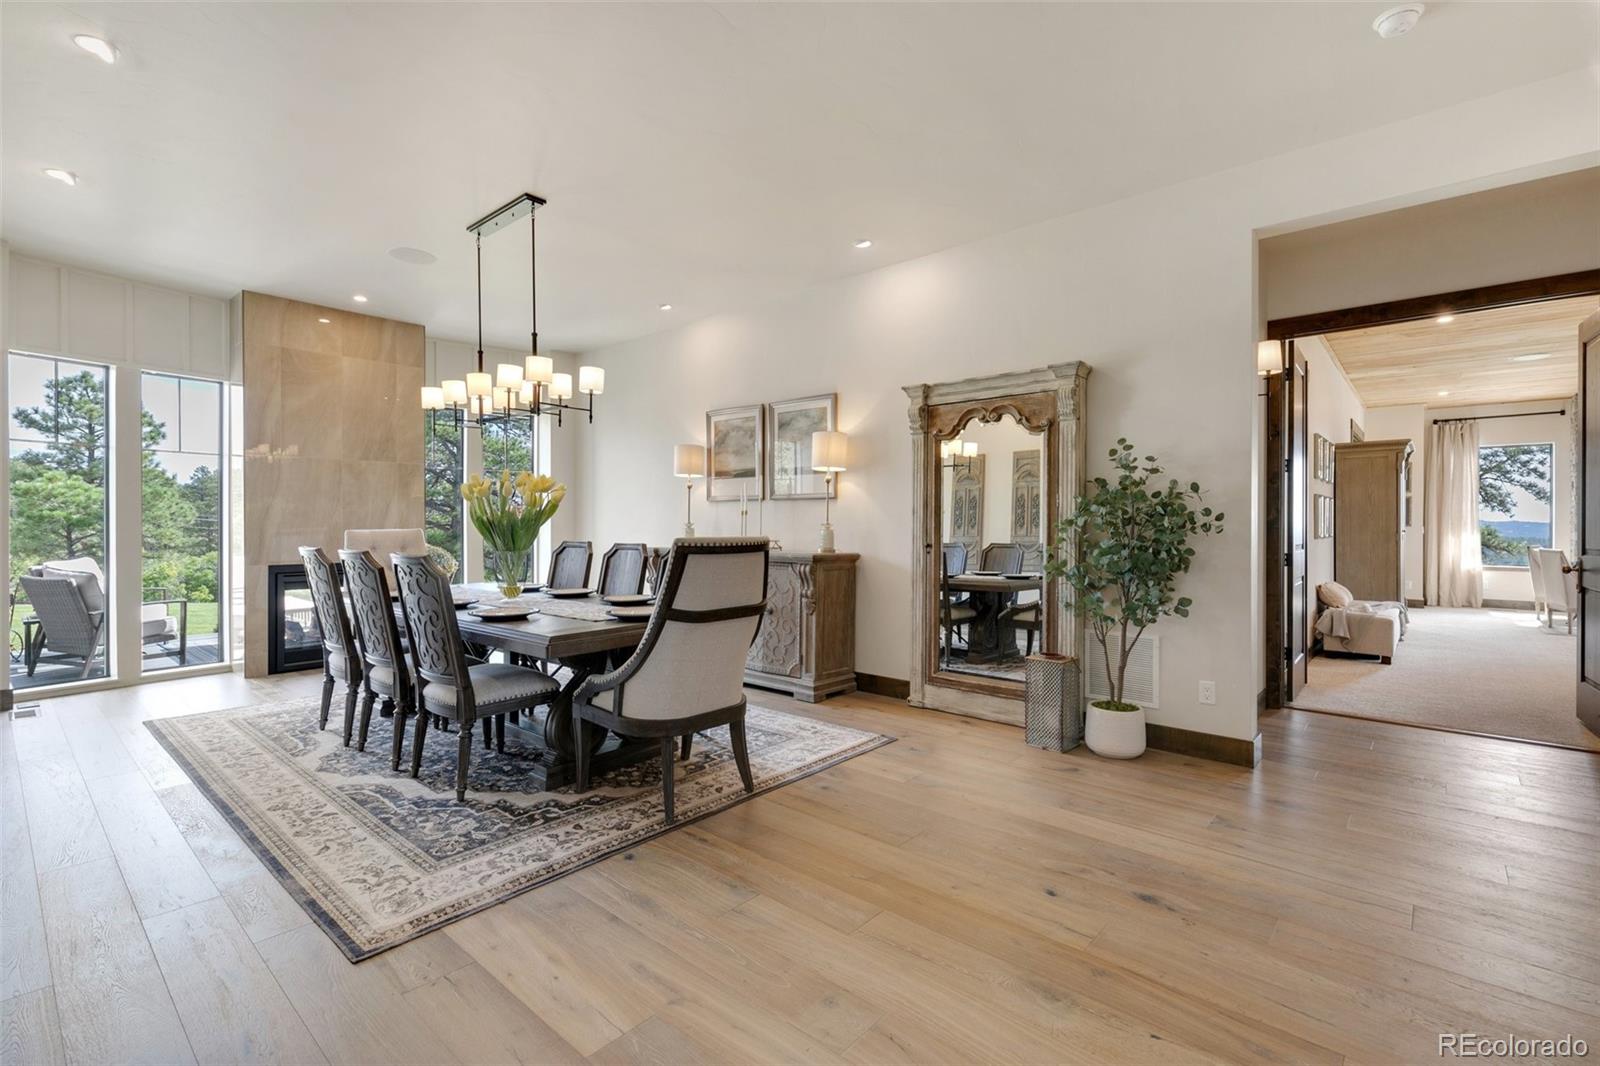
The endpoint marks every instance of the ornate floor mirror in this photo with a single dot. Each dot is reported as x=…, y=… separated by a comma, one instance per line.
x=996, y=462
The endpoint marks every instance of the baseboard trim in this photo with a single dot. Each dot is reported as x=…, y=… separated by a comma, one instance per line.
x=8, y=700
x=1416, y=603
x=897, y=688
x=1211, y=746
x=1509, y=605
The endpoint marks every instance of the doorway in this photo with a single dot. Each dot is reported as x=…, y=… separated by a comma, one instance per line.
x=1424, y=458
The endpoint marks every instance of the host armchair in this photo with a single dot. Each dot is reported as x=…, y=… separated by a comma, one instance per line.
x=687, y=674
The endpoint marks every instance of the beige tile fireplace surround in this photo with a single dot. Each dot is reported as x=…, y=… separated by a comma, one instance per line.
x=332, y=436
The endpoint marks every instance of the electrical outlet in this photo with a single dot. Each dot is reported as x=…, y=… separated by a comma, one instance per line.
x=1208, y=692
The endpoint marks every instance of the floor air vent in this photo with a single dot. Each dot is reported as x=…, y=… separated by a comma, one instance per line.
x=1141, y=683
x=25, y=710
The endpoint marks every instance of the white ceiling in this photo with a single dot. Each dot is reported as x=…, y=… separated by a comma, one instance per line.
x=713, y=156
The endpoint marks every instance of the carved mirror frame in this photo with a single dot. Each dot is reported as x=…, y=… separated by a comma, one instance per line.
x=1049, y=401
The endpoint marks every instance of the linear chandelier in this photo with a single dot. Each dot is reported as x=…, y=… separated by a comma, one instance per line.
x=512, y=394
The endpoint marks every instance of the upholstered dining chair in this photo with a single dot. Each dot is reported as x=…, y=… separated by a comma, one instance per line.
x=447, y=685
x=569, y=565
x=385, y=672
x=1004, y=557
x=341, y=660
x=622, y=570
x=1560, y=586
x=1536, y=573
x=687, y=674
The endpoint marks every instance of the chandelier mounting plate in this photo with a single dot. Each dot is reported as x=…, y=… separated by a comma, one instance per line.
x=506, y=213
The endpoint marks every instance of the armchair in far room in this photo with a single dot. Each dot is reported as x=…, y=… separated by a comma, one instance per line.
x=1560, y=586
x=1536, y=573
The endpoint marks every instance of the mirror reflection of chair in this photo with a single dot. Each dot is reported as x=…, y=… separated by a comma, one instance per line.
x=1002, y=558
x=955, y=610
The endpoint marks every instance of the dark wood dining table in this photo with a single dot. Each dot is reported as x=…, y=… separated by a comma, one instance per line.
x=990, y=637
x=584, y=647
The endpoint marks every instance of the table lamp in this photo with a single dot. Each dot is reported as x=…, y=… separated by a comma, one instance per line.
x=828, y=447
x=688, y=462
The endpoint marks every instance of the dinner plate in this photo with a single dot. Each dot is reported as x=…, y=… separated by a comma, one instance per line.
x=983, y=573
x=568, y=594
x=464, y=601
x=631, y=614
x=628, y=599
x=502, y=612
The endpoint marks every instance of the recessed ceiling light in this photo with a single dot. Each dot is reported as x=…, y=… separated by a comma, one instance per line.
x=1534, y=358
x=666, y=307
x=863, y=243
x=358, y=298
x=1444, y=392
x=65, y=177
x=101, y=50
x=1445, y=320
x=325, y=321
x=1398, y=21
x=415, y=256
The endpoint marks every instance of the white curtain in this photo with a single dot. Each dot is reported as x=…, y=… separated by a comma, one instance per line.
x=1455, y=549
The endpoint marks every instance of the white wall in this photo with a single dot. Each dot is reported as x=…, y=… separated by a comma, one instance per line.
x=1158, y=293
x=1409, y=422
x=1331, y=403
x=1528, y=230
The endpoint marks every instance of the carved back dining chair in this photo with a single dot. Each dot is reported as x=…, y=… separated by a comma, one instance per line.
x=569, y=565
x=385, y=672
x=955, y=558
x=1005, y=558
x=622, y=570
x=687, y=674
x=341, y=659
x=447, y=685
x=955, y=609
x=655, y=567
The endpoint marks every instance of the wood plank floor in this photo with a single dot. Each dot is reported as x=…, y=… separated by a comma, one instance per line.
x=953, y=897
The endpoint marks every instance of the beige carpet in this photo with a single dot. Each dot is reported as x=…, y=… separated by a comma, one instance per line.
x=1486, y=671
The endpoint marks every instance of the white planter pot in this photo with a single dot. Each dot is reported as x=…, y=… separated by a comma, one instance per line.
x=1115, y=734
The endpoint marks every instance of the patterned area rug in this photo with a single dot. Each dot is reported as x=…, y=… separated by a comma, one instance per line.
x=377, y=859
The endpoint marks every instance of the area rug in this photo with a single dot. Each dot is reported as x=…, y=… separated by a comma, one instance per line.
x=378, y=859
x=1484, y=671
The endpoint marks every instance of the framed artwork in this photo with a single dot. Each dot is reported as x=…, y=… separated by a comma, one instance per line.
x=790, y=424
x=1321, y=457
x=733, y=453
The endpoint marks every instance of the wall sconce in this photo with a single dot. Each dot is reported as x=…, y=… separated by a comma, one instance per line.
x=1269, y=358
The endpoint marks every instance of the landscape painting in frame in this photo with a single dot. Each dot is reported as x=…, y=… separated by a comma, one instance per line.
x=734, y=462
x=790, y=424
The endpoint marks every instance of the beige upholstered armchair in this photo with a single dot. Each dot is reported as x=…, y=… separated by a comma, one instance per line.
x=1559, y=584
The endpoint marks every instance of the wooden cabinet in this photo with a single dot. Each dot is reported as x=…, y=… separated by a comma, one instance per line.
x=1369, y=518
x=807, y=643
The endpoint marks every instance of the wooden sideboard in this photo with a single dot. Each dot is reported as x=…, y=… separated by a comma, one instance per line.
x=807, y=643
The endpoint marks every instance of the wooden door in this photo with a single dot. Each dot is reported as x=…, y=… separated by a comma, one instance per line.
x=1298, y=623
x=1588, y=616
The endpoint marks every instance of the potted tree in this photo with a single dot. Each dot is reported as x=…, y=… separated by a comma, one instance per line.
x=1133, y=544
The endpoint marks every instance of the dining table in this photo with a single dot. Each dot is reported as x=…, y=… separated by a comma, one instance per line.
x=575, y=633
x=991, y=637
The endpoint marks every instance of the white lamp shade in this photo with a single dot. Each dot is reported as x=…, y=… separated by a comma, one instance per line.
x=829, y=450
x=969, y=449
x=501, y=399
x=479, y=384
x=689, y=460
x=1269, y=358
x=592, y=379
x=525, y=392
x=561, y=386
x=432, y=398
x=508, y=375
x=540, y=368
x=455, y=391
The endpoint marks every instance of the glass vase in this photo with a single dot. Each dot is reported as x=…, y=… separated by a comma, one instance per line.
x=510, y=570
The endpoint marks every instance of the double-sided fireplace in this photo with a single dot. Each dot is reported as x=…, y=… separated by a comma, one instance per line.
x=293, y=642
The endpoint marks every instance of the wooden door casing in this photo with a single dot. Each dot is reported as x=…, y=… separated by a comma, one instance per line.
x=1588, y=612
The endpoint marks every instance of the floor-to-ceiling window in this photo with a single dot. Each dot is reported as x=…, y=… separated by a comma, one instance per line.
x=182, y=524
x=235, y=491
x=59, y=439
x=441, y=484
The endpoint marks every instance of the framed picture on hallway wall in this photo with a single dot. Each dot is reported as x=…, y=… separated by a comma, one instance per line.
x=790, y=424
x=734, y=460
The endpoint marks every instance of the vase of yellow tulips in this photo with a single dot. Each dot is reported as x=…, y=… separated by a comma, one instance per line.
x=509, y=513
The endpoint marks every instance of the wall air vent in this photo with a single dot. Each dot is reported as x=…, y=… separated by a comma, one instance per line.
x=1141, y=683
